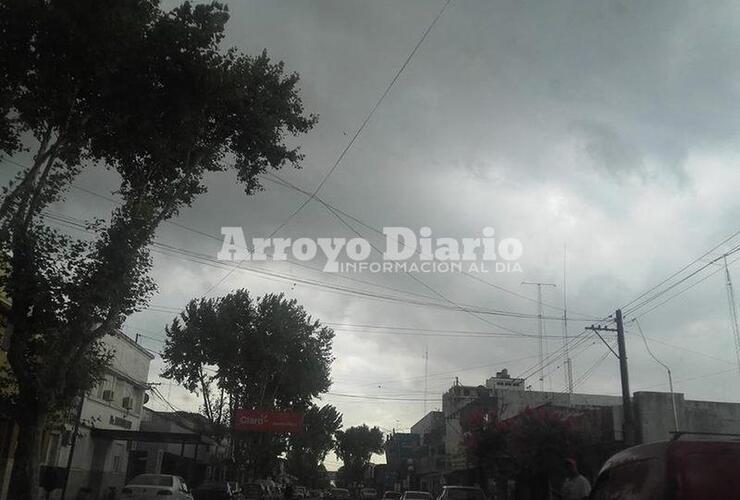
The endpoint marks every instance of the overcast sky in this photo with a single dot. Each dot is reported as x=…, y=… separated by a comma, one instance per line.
x=606, y=126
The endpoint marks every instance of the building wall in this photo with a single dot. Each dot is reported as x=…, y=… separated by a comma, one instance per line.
x=455, y=399
x=512, y=403
x=429, y=422
x=100, y=464
x=654, y=416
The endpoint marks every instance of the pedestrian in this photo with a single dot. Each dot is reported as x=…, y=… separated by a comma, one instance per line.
x=575, y=486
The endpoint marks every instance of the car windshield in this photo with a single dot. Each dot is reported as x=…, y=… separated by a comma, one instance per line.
x=152, y=480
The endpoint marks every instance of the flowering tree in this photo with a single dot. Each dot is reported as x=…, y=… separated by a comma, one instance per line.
x=530, y=447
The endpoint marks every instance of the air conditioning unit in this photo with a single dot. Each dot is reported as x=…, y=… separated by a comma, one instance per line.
x=128, y=403
x=108, y=395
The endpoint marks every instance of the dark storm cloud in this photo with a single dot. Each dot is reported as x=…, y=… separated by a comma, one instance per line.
x=606, y=126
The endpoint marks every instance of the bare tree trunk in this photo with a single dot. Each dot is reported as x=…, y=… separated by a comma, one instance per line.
x=26, y=467
x=30, y=177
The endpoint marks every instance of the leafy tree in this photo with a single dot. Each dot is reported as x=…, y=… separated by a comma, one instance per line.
x=307, y=450
x=355, y=447
x=122, y=85
x=266, y=353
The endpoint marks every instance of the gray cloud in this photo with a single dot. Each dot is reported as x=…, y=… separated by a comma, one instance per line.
x=606, y=126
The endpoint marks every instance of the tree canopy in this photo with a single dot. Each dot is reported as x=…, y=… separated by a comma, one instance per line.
x=306, y=451
x=150, y=95
x=355, y=447
x=264, y=353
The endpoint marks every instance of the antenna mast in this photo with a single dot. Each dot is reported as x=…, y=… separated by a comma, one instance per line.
x=733, y=311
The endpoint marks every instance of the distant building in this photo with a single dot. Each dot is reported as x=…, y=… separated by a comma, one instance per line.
x=100, y=464
x=503, y=380
x=430, y=459
x=204, y=458
x=441, y=456
x=456, y=401
x=400, y=450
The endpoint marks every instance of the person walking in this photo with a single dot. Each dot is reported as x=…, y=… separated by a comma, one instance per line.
x=575, y=486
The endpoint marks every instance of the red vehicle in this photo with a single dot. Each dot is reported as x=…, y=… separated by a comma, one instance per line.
x=682, y=469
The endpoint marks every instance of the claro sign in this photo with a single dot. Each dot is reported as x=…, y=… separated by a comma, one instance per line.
x=268, y=421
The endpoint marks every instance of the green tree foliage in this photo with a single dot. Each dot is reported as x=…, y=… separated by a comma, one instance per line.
x=151, y=95
x=354, y=447
x=264, y=353
x=307, y=451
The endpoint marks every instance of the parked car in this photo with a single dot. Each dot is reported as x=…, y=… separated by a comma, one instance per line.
x=339, y=494
x=155, y=486
x=254, y=491
x=392, y=495
x=217, y=490
x=368, y=494
x=461, y=493
x=417, y=495
x=681, y=469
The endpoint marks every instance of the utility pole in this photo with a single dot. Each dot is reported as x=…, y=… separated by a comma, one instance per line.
x=568, y=363
x=540, y=327
x=426, y=376
x=667, y=369
x=629, y=427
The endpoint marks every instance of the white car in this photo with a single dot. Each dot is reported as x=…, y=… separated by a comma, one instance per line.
x=156, y=486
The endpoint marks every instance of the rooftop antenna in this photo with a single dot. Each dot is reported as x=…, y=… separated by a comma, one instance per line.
x=540, y=328
x=568, y=362
x=733, y=310
x=426, y=376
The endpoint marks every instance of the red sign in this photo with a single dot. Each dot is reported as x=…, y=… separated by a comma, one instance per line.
x=268, y=421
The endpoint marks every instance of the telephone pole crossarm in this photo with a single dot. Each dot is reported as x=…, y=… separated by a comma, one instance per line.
x=599, y=328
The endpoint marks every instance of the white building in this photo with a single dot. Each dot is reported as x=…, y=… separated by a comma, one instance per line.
x=100, y=464
x=506, y=397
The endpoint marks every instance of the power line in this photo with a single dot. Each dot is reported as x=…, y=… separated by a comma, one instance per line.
x=368, y=117
x=202, y=259
x=658, y=294
x=272, y=177
x=726, y=240
x=352, y=139
x=685, y=289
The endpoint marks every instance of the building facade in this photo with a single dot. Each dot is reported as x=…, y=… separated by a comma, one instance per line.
x=99, y=465
x=204, y=459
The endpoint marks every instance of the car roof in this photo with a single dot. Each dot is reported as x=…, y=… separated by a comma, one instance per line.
x=666, y=449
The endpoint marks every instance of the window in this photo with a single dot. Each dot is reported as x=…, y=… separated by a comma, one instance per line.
x=52, y=449
x=632, y=480
x=117, y=457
